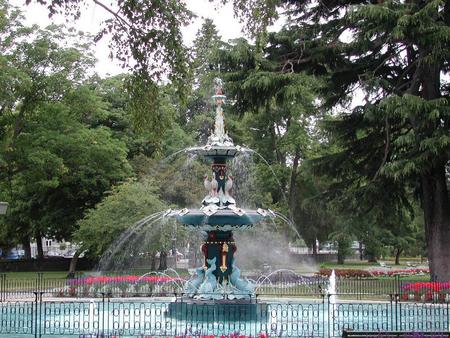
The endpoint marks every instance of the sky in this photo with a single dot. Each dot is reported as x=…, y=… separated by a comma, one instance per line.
x=228, y=26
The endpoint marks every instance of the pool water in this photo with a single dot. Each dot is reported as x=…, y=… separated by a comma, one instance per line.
x=141, y=318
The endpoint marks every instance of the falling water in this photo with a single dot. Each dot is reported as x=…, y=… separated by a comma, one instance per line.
x=242, y=168
x=266, y=278
x=271, y=169
x=331, y=293
x=288, y=221
x=331, y=290
x=109, y=256
x=178, y=281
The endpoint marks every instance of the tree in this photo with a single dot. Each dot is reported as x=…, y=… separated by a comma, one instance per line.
x=314, y=216
x=198, y=117
x=53, y=165
x=107, y=230
x=397, y=54
x=146, y=37
x=63, y=169
x=275, y=106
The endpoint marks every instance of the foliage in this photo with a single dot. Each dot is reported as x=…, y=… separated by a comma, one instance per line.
x=146, y=38
x=276, y=107
x=124, y=205
x=63, y=169
x=396, y=140
x=54, y=165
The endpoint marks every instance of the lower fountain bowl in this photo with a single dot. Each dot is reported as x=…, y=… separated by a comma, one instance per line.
x=192, y=310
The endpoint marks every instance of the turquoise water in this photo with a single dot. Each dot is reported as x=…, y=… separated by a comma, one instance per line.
x=125, y=318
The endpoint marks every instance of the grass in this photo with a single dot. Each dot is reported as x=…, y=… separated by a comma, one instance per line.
x=35, y=275
x=63, y=274
x=351, y=265
x=364, y=264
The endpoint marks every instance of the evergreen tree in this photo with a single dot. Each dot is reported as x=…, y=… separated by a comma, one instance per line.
x=275, y=106
x=205, y=67
x=396, y=53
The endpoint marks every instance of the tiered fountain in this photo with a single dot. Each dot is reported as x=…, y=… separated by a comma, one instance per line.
x=218, y=280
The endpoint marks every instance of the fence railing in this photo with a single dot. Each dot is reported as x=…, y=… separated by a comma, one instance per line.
x=279, y=286
x=109, y=317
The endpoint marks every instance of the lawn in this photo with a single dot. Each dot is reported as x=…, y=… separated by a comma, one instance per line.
x=36, y=275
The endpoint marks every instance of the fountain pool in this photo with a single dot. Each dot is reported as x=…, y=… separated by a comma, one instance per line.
x=149, y=318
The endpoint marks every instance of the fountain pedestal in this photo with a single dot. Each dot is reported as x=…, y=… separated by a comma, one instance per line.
x=219, y=245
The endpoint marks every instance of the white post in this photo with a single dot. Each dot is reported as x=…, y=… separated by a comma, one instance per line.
x=3, y=208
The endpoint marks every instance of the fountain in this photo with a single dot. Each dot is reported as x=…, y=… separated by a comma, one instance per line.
x=219, y=280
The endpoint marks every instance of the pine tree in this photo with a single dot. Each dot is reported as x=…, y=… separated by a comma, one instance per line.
x=397, y=53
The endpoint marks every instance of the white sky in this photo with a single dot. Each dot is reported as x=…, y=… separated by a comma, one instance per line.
x=92, y=16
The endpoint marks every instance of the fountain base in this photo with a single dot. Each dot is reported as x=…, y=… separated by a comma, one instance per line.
x=224, y=310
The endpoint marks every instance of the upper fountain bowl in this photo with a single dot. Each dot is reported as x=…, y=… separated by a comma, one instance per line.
x=219, y=149
x=212, y=217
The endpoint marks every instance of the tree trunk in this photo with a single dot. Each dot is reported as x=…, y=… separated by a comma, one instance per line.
x=314, y=248
x=293, y=182
x=435, y=204
x=153, y=262
x=162, y=261
x=398, y=252
x=40, y=249
x=340, y=258
x=26, y=246
x=73, y=263
x=361, y=253
x=341, y=252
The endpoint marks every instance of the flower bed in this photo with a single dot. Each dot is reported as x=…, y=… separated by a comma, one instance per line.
x=122, y=279
x=346, y=273
x=400, y=272
x=426, y=291
x=349, y=273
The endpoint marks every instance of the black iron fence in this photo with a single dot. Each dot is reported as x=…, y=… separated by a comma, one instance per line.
x=154, y=317
x=357, y=288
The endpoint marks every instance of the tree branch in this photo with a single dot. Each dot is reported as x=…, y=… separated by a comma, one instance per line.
x=386, y=148
x=115, y=14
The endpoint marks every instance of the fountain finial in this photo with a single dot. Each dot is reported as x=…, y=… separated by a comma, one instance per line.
x=218, y=85
x=219, y=137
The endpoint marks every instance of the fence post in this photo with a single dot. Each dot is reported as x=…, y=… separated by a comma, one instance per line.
x=359, y=281
x=34, y=314
x=2, y=287
x=37, y=314
x=322, y=324
x=448, y=316
x=394, y=314
x=100, y=332
x=330, y=326
x=397, y=285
